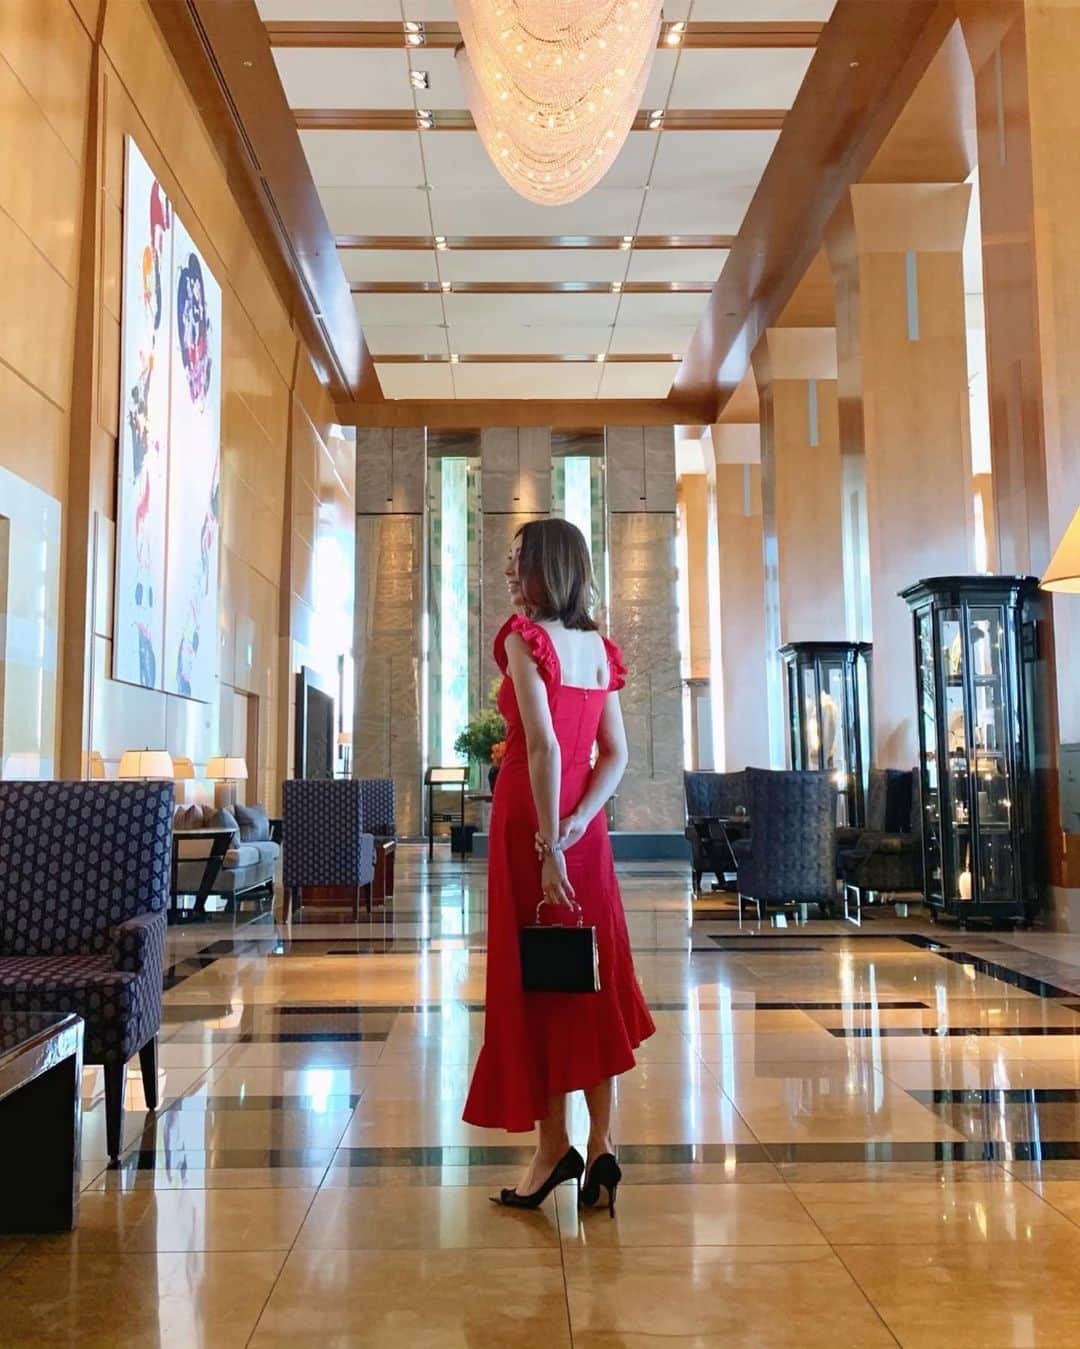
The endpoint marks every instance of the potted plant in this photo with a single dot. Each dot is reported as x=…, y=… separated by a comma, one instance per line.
x=479, y=738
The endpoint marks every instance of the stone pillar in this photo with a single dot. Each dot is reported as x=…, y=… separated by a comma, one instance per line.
x=641, y=549
x=515, y=478
x=741, y=567
x=897, y=261
x=694, y=501
x=391, y=474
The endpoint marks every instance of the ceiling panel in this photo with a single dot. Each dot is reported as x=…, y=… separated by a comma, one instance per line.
x=403, y=340
x=446, y=89
x=661, y=310
x=376, y=210
x=552, y=264
x=430, y=10
x=676, y=264
x=362, y=11
x=641, y=379
x=457, y=157
x=653, y=340
x=604, y=210
x=364, y=158
x=568, y=311
x=406, y=309
x=659, y=82
x=344, y=77
x=527, y=381
x=766, y=77
x=707, y=161
x=706, y=212
x=506, y=336
x=416, y=381
x=388, y=264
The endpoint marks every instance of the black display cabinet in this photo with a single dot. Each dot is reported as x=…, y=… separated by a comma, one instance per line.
x=978, y=684
x=829, y=716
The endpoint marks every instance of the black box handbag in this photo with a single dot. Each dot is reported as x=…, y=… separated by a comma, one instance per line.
x=557, y=959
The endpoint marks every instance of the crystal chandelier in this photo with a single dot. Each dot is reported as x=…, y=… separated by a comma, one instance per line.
x=554, y=86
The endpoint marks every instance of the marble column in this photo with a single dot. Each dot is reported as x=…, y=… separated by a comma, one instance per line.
x=391, y=473
x=896, y=252
x=641, y=549
x=515, y=487
x=741, y=566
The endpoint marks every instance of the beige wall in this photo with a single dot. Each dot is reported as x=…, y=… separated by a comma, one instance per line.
x=283, y=479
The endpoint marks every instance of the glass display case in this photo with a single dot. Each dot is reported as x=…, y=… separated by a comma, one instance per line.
x=976, y=653
x=829, y=716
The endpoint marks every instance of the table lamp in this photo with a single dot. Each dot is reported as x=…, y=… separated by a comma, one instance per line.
x=146, y=765
x=1063, y=573
x=226, y=770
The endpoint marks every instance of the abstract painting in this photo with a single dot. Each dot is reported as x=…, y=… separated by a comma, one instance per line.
x=165, y=632
x=194, y=476
x=139, y=629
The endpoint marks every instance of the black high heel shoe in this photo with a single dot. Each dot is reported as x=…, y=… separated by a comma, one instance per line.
x=606, y=1172
x=569, y=1167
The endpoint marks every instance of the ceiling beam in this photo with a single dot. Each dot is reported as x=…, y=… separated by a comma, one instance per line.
x=376, y=35
x=458, y=119
x=560, y=414
x=868, y=62
x=539, y=242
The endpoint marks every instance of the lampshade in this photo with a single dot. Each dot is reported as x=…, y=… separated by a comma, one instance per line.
x=22, y=766
x=1063, y=573
x=146, y=763
x=183, y=769
x=95, y=765
x=227, y=768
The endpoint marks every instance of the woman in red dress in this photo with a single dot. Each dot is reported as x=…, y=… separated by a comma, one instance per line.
x=549, y=842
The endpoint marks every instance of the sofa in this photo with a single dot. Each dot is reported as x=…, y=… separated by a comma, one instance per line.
x=249, y=865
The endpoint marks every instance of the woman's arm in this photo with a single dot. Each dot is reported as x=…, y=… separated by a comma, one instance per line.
x=545, y=761
x=606, y=774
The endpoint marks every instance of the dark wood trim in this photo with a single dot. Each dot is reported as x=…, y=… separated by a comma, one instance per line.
x=223, y=55
x=868, y=62
x=535, y=242
x=376, y=35
x=532, y=287
x=459, y=119
x=458, y=414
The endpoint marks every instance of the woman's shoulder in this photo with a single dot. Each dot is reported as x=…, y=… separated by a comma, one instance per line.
x=616, y=663
x=535, y=638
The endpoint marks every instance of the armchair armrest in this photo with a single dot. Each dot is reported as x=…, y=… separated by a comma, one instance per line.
x=277, y=830
x=139, y=943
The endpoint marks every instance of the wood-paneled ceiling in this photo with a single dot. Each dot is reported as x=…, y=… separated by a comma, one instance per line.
x=465, y=290
x=427, y=288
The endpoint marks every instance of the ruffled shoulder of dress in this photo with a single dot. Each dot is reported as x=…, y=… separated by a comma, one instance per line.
x=616, y=666
x=536, y=639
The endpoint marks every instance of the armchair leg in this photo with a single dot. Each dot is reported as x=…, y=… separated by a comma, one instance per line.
x=115, y=1082
x=857, y=918
x=148, y=1067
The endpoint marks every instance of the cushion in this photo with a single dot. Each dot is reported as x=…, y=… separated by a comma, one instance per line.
x=242, y=855
x=254, y=823
x=268, y=852
x=225, y=819
x=187, y=817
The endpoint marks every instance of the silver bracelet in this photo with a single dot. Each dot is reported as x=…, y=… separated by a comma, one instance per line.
x=552, y=849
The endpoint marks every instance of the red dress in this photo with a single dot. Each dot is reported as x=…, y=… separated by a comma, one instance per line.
x=537, y=1045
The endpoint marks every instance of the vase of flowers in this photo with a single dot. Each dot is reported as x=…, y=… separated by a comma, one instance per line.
x=498, y=750
x=479, y=738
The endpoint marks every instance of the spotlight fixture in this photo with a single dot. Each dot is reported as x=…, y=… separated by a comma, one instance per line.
x=601, y=356
x=616, y=287
x=627, y=241
x=446, y=287
x=425, y=119
x=674, y=34
x=414, y=33
x=440, y=242
x=454, y=358
x=419, y=79
x=656, y=119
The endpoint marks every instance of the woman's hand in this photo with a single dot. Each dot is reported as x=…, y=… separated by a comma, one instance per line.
x=553, y=880
x=571, y=830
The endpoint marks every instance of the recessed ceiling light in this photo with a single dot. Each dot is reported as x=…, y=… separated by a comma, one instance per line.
x=454, y=358
x=616, y=286
x=414, y=33
x=419, y=79
x=601, y=356
x=627, y=241
x=656, y=119
x=674, y=34
x=445, y=287
x=440, y=241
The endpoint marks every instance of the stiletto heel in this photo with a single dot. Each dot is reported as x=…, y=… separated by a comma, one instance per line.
x=606, y=1172
x=569, y=1167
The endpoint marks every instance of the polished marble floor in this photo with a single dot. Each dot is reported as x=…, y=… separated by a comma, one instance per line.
x=837, y=1137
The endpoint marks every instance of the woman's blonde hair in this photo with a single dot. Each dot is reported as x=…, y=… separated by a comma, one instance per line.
x=555, y=573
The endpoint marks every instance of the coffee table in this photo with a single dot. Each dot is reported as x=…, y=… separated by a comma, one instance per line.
x=40, y=1120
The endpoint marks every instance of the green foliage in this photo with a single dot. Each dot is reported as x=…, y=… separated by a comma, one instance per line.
x=487, y=728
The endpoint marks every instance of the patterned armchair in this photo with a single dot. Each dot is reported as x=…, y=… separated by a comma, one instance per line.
x=711, y=797
x=790, y=857
x=379, y=806
x=84, y=885
x=885, y=858
x=323, y=839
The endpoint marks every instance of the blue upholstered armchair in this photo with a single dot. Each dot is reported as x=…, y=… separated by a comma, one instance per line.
x=790, y=857
x=324, y=840
x=711, y=797
x=379, y=806
x=84, y=886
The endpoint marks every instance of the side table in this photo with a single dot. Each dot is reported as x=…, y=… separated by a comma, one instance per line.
x=40, y=1120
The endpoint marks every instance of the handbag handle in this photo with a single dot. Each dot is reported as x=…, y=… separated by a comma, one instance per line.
x=572, y=905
